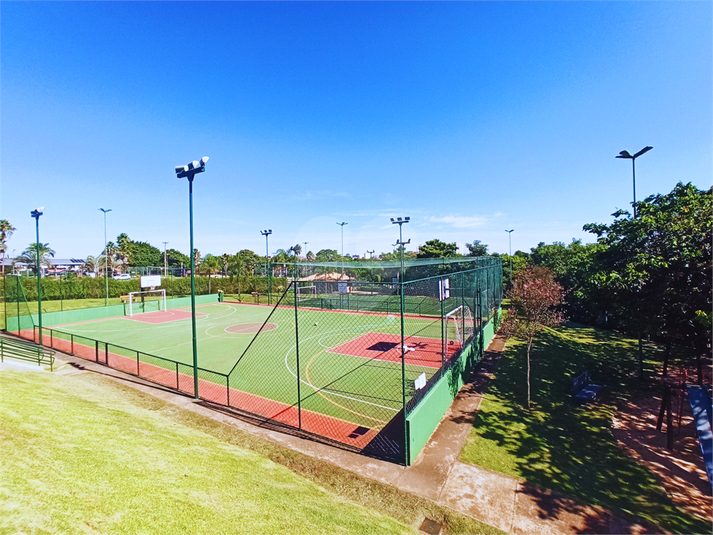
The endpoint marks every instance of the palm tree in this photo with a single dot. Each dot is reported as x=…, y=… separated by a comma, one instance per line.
x=237, y=267
x=92, y=264
x=124, y=247
x=29, y=255
x=6, y=230
x=210, y=265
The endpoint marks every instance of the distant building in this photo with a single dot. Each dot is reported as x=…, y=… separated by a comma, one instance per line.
x=58, y=266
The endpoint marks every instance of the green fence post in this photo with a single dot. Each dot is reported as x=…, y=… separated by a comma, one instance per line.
x=297, y=353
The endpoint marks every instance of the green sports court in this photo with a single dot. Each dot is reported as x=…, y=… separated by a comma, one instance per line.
x=351, y=362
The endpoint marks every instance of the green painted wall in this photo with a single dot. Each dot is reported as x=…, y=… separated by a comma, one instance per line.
x=50, y=319
x=424, y=419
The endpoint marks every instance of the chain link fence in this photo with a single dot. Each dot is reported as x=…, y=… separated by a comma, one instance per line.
x=347, y=353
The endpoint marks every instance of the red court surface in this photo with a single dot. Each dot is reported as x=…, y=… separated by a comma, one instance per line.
x=379, y=346
x=163, y=316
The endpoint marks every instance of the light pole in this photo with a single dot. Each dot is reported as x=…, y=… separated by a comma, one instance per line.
x=400, y=222
x=36, y=214
x=190, y=171
x=625, y=155
x=371, y=254
x=165, y=259
x=342, y=225
x=266, y=233
x=510, y=251
x=106, y=261
x=305, y=244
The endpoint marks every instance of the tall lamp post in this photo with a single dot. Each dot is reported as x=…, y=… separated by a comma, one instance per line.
x=165, y=260
x=342, y=225
x=625, y=155
x=510, y=251
x=400, y=222
x=190, y=171
x=266, y=233
x=106, y=261
x=36, y=214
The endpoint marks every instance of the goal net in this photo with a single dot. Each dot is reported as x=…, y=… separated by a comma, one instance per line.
x=305, y=293
x=459, y=329
x=147, y=301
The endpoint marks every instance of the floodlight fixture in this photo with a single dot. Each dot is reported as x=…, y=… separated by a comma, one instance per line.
x=627, y=156
x=191, y=169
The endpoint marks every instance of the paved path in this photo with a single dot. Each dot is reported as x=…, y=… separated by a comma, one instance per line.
x=437, y=474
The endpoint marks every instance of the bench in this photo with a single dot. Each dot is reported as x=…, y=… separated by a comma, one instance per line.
x=582, y=390
x=125, y=298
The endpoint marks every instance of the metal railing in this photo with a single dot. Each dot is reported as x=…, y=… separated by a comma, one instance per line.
x=11, y=348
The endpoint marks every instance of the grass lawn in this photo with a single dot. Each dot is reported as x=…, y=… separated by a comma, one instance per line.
x=561, y=446
x=82, y=453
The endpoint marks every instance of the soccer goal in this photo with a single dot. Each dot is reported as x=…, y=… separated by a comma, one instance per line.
x=144, y=301
x=305, y=293
x=459, y=328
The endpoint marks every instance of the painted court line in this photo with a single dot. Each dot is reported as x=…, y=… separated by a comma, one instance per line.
x=163, y=316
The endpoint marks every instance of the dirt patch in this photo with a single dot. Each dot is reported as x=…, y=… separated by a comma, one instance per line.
x=681, y=471
x=250, y=328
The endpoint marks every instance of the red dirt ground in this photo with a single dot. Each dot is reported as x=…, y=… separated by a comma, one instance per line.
x=681, y=471
x=426, y=351
x=162, y=316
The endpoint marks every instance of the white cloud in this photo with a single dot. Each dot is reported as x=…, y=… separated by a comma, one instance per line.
x=319, y=195
x=458, y=221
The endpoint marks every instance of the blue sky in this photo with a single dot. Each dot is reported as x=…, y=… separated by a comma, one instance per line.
x=471, y=118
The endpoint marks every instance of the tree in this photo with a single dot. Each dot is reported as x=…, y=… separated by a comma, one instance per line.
x=477, y=248
x=297, y=249
x=144, y=254
x=211, y=265
x=29, y=255
x=176, y=258
x=327, y=255
x=91, y=264
x=658, y=267
x=123, y=247
x=6, y=230
x=533, y=299
x=237, y=267
x=437, y=249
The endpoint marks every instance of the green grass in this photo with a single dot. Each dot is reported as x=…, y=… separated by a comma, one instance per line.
x=359, y=390
x=561, y=446
x=84, y=454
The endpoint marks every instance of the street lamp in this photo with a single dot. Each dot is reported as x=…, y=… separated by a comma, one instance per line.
x=371, y=254
x=625, y=155
x=165, y=259
x=190, y=171
x=342, y=225
x=266, y=233
x=106, y=258
x=510, y=250
x=36, y=214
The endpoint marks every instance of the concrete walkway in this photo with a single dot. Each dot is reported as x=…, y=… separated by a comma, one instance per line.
x=501, y=501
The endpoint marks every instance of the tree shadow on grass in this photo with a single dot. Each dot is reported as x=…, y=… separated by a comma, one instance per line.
x=568, y=448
